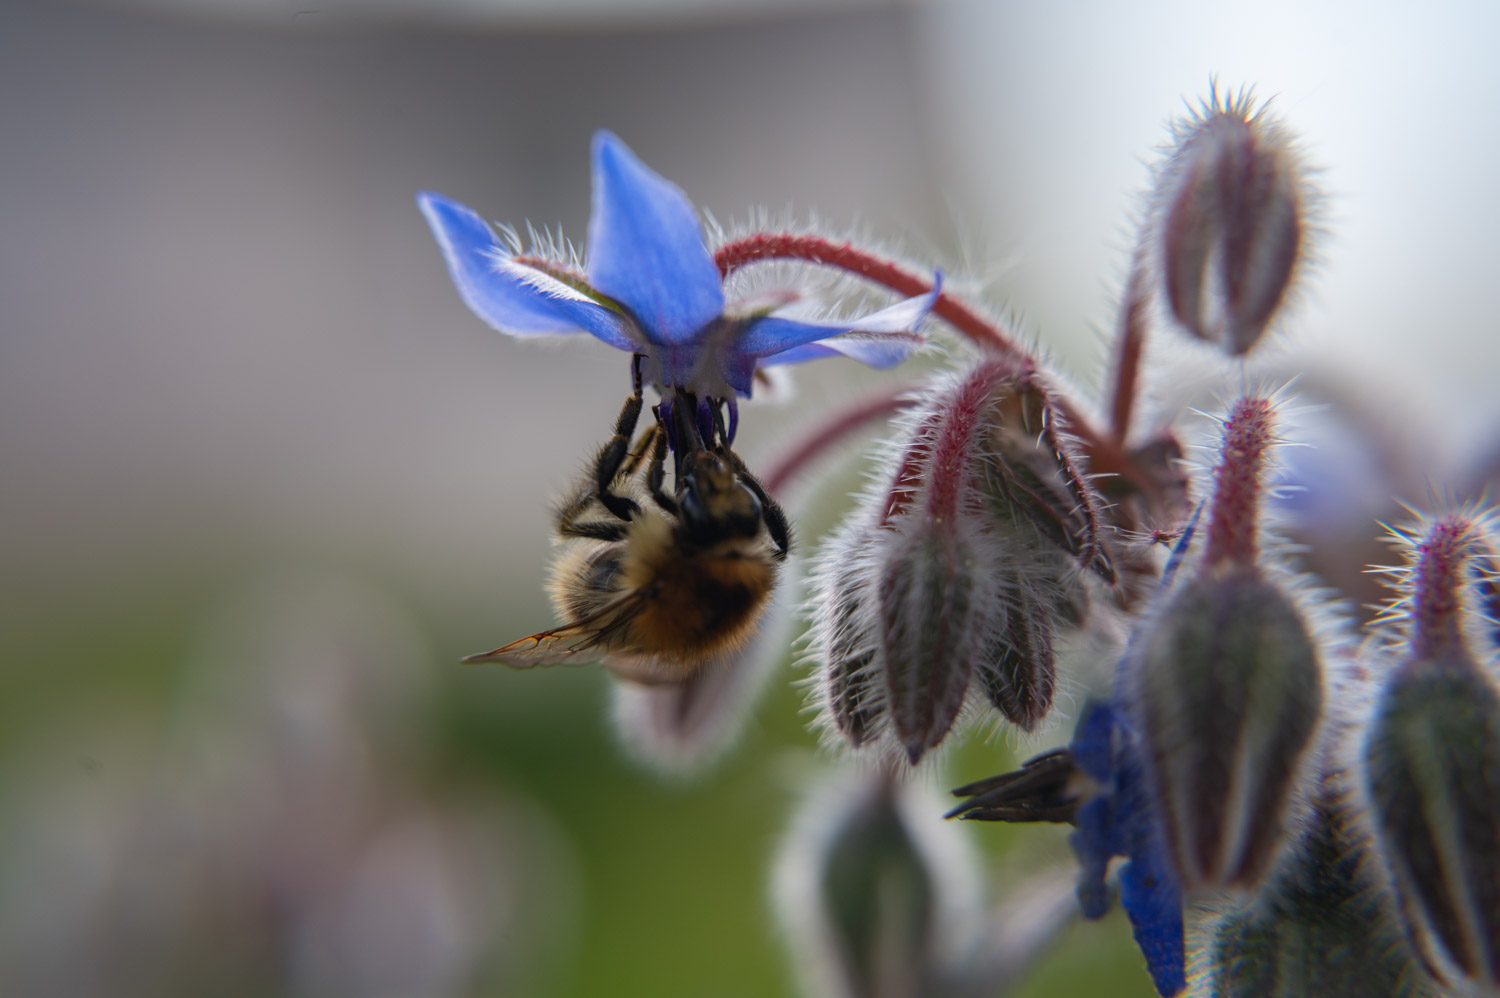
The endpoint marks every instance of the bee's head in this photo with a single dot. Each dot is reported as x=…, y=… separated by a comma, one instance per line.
x=714, y=503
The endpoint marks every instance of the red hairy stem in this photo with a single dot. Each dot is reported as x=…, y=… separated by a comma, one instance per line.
x=909, y=472
x=1234, y=524
x=1106, y=456
x=1435, y=604
x=832, y=432
x=1130, y=340
x=845, y=256
x=955, y=439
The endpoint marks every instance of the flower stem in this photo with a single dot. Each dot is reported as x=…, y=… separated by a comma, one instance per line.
x=1234, y=523
x=832, y=432
x=1130, y=340
x=847, y=257
x=1106, y=455
x=1436, y=606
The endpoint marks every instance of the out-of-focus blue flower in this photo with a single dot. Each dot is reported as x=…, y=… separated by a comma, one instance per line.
x=1117, y=820
x=651, y=288
x=1097, y=785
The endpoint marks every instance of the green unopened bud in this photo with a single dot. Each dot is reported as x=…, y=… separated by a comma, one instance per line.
x=1433, y=761
x=1228, y=690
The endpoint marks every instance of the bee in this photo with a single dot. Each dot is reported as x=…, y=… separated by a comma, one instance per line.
x=657, y=584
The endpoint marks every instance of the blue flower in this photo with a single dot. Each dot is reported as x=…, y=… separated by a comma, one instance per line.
x=1097, y=785
x=652, y=288
x=1117, y=820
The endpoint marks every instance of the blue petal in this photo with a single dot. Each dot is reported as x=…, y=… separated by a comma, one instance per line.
x=1150, y=896
x=883, y=339
x=646, y=248
x=470, y=248
x=1093, y=744
x=877, y=350
x=1149, y=891
x=1092, y=844
x=582, y=310
x=512, y=297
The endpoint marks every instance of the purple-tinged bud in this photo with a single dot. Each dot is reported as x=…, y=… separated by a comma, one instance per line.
x=876, y=893
x=1230, y=221
x=1432, y=762
x=1019, y=673
x=1030, y=471
x=1229, y=691
x=846, y=637
x=963, y=565
x=938, y=602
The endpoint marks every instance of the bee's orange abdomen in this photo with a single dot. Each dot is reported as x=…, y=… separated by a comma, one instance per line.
x=702, y=605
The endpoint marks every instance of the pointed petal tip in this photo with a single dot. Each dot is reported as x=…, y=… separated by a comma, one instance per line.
x=646, y=247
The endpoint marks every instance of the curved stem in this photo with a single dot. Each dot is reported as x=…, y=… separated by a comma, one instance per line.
x=1106, y=454
x=832, y=432
x=847, y=257
x=1130, y=340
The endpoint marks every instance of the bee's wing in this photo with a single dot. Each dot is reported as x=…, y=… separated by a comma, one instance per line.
x=579, y=643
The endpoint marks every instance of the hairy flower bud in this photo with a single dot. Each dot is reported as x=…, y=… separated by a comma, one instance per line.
x=937, y=600
x=1019, y=672
x=877, y=901
x=1434, y=768
x=855, y=697
x=961, y=567
x=1433, y=761
x=1229, y=220
x=1226, y=683
x=1229, y=691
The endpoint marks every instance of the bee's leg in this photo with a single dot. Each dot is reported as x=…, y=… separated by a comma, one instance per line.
x=771, y=512
x=644, y=451
x=658, y=471
x=570, y=524
x=612, y=455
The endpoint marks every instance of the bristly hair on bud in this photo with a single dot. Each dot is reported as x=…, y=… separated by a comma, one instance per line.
x=1432, y=755
x=961, y=565
x=1224, y=681
x=1228, y=223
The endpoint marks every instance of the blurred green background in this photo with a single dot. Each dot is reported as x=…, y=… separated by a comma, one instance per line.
x=265, y=479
